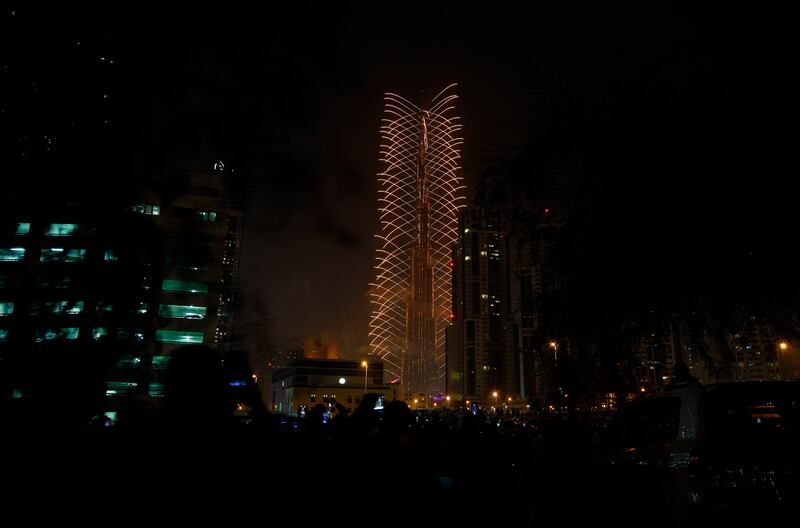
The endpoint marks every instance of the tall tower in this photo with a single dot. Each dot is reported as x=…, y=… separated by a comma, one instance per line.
x=419, y=196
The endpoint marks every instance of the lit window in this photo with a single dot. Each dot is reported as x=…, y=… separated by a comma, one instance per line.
x=64, y=307
x=155, y=390
x=6, y=308
x=114, y=388
x=148, y=209
x=483, y=253
x=181, y=286
x=142, y=309
x=467, y=257
x=104, y=306
x=484, y=296
x=207, y=216
x=111, y=256
x=62, y=229
x=126, y=362
x=62, y=255
x=23, y=228
x=178, y=311
x=160, y=362
x=3, y=334
x=99, y=332
x=12, y=254
x=50, y=334
x=179, y=336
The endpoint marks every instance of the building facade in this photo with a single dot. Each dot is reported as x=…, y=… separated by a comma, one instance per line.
x=420, y=193
x=101, y=297
x=484, y=364
x=308, y=382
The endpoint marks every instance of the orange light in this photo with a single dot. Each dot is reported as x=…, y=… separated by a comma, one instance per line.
x=783, y=345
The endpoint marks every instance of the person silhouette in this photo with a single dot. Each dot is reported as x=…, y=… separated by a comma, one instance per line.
x=195, y=395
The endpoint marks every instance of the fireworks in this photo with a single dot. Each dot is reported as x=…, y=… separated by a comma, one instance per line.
x=419, y=195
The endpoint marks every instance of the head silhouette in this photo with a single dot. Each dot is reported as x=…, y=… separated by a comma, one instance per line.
x=194, y=388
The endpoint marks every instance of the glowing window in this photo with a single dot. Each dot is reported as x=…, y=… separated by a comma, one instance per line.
x=179, y=336
x=62, y=255
x=23, y=228
x=104, y=306
x=155, y=390
x=181, y=286
x=64, y=307
x=51, y=334
x=160, y=362
x=99, y=333
x=3, y=334
x=142, y=309
x=114, y=388
x=62, y=229
x=148, y=209
x=177, y=311
x=207, y=216
x=126, y=362
x=111, y=256
x=6, y=308
x=12, y=254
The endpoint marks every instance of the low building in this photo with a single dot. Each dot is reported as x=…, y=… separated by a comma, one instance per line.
x=328, y=381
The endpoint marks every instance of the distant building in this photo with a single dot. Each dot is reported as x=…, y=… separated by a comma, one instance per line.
x=755, y=351
x=540, y=270
x=310, y=382
x=482, y=357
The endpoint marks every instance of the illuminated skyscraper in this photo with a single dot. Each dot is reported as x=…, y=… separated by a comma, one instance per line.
x=420, y=193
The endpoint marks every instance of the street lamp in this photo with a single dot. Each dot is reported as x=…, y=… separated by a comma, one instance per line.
x=554, y=346
x=783, y=346
x=366, y=368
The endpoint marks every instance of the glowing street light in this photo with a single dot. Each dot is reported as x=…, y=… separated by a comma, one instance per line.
x=554, y=346
x=366, y=368
x=783, y=345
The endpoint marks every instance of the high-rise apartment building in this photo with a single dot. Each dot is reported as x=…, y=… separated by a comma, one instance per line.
x=105, y=295
x=483, y=364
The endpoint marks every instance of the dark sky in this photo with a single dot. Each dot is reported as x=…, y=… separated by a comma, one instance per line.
x=695, y=105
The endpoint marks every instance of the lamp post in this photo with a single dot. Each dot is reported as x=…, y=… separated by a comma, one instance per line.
x=783, y=346
x=554, y=346
x=366, y=368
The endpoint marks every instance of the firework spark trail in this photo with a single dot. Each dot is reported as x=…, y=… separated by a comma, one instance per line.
x=420, y=193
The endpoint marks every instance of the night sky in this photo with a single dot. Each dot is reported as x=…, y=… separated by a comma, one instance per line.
x=686, y=116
